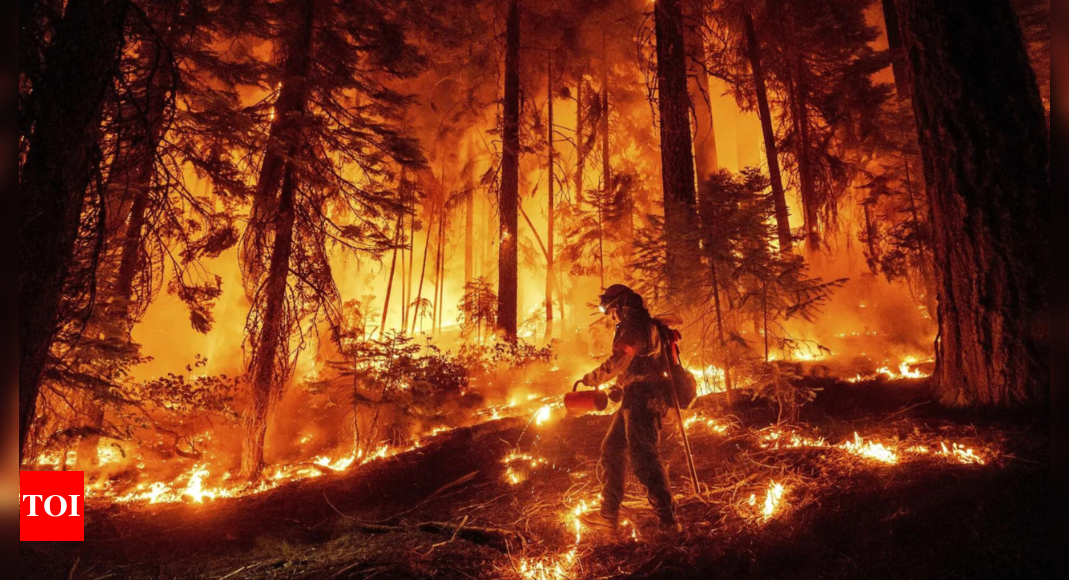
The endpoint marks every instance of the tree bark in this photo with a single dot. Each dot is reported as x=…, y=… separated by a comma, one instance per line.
x=508, y=259
x=986, y=150
x=60, y=165
x=677, y=158
x=279, y=216
x=779, y=194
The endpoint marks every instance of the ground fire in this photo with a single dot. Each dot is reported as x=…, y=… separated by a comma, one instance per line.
x=537, y=290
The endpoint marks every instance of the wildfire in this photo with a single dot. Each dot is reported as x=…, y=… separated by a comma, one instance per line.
x=871, y=450
x=516, y=462
x=711, y=380
x=773, y=503
x=713, y=425
x=777, y=439
x=907, y=370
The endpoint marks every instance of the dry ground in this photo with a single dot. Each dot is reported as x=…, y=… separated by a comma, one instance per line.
x=841, y=518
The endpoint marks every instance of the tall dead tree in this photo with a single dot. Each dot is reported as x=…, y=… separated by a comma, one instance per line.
x=779, y=194
x=508, y=258
x=986, y=150
x=677, y=158
x=80, y=65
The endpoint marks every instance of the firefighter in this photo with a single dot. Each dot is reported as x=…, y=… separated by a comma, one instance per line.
x=637, y=363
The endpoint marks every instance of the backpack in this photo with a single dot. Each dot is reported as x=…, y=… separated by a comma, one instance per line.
x=683, y=383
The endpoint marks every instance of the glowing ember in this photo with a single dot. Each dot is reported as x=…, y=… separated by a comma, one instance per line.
x=871, y=450
x=712, y=425
x=777, y=439
x=516, y=463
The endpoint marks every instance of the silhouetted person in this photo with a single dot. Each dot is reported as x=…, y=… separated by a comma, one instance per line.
x=638, y=364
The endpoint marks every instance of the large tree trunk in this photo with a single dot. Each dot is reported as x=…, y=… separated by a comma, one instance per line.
x=278, y=215
x=508, y=259
x=677, y=158
x=987, y=162
x=779, y=194
x=706, y=156
x=59, y=168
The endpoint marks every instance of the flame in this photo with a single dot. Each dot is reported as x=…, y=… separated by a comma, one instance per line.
x=713, y=425
x=871, y=450
x=778, y=439
x=543, y=416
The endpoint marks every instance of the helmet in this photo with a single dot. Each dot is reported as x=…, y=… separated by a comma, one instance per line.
x=619, y=295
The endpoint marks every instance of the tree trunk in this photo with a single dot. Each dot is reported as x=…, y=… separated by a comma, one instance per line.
x=469, y=216
x=680, y=196
x=393, y=272
x=706, y=157
x=779, y=194
x=416, y=316
x=508, y=259
x=580, y=143
x=273, y=334
x=59, y=168
x=803, y=152
x=899, y=63
x=552, y=211
x=279, y=217
x=986, y=149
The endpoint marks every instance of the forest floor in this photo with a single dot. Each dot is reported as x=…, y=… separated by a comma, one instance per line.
x=460, y=509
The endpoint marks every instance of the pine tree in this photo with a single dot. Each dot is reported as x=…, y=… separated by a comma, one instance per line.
x=508, y=205
x=987, y=163
x=680, y=197
x=332, y=112
x=60, y=167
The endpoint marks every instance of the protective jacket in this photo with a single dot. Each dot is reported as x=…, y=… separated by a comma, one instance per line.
x=636, y=353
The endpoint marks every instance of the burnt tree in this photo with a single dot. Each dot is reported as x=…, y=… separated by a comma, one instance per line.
x=60, y=167
x=986, y=149
x=677, y=157
x=509, y=205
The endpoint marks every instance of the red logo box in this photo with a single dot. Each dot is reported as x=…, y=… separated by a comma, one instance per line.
x=51, y=506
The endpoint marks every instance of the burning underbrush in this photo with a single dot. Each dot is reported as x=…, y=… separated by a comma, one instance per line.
x=502, y=499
